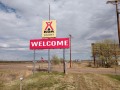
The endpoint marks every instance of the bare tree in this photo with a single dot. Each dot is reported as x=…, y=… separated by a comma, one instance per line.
x=106, y=52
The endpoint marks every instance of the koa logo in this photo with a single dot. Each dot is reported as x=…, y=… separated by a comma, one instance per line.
x=49, y=28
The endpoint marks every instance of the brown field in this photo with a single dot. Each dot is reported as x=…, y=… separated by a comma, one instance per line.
x=25, y=69
x=80, y=73
x=76, y=68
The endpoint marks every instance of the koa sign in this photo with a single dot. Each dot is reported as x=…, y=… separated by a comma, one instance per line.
x=49, y=29
x=49, y=43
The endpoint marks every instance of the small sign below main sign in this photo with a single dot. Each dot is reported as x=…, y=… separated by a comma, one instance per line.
x=49, y=29
x=49, y=43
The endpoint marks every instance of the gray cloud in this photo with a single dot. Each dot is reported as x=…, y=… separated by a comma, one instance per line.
x=100, y=37
x=86, y=22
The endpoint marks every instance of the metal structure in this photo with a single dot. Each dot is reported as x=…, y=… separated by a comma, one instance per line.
x=116, y=2
x=48, y=43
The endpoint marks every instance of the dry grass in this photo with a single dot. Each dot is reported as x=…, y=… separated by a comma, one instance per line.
x=9, y=79
x=58, y=81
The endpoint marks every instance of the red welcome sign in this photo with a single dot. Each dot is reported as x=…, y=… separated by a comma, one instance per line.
x=49, y=43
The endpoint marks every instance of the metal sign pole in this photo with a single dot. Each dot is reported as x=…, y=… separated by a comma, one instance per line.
x=34, y=62
x=49, y=60
x=49, y=49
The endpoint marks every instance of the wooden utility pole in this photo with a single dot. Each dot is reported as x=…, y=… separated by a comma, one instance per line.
x=70, y=51
x=93, y=54
x=116, y=2
x=64, y=63
x=118, y=24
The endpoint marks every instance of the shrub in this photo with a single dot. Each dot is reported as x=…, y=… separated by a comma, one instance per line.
x=55, y=60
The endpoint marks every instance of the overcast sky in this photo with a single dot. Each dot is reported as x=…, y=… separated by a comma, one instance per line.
x=87, y=21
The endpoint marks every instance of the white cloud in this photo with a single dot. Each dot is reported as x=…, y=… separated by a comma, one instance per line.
x=3, y=45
